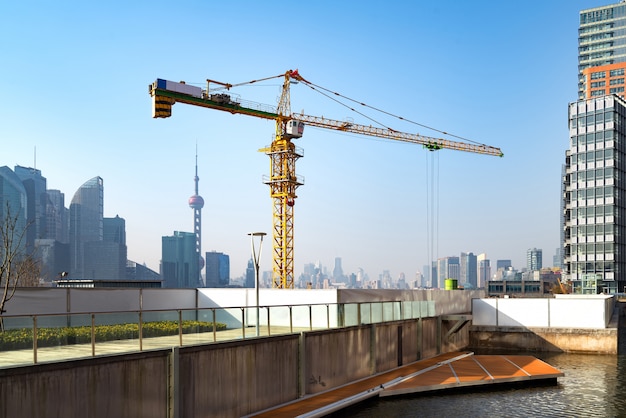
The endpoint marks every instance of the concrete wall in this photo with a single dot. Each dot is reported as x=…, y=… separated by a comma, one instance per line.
x=603, y=341
x=237, y=378
x=133, y=385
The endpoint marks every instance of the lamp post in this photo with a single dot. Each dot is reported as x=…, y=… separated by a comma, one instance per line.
x=256, y=259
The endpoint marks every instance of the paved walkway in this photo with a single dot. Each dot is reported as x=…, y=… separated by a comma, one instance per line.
x=23, y=357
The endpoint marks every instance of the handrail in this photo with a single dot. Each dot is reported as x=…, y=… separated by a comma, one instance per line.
x=285, y=319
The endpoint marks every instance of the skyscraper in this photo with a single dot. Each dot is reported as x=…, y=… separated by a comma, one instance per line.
x=196, y=202
x=86, y=224
x=534, y=260
x=12, y=198
x=217, y=269
x=484, y=270
x=469, y=270
x=337, y=271
x=179, y=261
x=36, y=201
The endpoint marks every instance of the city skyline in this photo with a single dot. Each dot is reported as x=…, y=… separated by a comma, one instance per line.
x=363, y=200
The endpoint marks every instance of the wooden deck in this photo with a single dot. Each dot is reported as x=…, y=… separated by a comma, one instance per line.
x=446, y=371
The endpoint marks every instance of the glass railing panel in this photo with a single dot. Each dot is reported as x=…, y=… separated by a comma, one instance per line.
x=16, y=341
x=321, y=316
x=61, y=337
x=350, y=314
x=160, y=329
x=302, y=320
x=280, y=320
x=390, y=311
x=377, y=312
x=117, y=332
x=366, y=313
x=230, y=325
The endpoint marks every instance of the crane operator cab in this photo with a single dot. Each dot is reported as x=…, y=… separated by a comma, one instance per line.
x=294, y=129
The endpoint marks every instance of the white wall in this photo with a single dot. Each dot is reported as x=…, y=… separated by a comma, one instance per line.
x=565, y=311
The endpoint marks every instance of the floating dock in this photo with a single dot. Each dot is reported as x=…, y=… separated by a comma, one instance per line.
x=443, y=372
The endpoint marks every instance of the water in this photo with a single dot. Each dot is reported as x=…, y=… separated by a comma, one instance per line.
x=593, y=386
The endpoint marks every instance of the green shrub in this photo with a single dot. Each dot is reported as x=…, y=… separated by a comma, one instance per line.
x=16, y=339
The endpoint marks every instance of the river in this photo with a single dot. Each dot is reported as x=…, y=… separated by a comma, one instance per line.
x=593, y=386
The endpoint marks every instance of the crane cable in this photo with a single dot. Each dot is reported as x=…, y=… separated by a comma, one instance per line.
x=315, y=88
x=432, y=213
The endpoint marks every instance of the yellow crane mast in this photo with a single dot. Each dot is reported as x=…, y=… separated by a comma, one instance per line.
x=283, y=153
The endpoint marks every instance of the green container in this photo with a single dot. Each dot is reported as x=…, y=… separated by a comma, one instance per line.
x=451, y=284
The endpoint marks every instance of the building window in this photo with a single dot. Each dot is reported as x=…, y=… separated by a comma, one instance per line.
x=617, y=90
x=602, y=83
x=616, y=81
x=597, y=93
x=616, y=72
x=597, y=75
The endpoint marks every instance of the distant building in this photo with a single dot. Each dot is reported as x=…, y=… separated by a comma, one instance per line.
x=217, y=271
x=503, y=264
x=534, y=259
x=12, y=198
x=179, y=261
x=250, y=281
x=99, y=283
x=136, y=271
x=484, y=270
x=86, y=223
x=54, y=257
x=337, y=271
x=57, y=217
x=36, y=201
x=448, y=268
x=469, y=270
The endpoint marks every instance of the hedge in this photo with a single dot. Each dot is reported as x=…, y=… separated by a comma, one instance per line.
x=16, y=339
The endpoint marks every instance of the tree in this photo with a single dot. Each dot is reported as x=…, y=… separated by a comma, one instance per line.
x=18, y=265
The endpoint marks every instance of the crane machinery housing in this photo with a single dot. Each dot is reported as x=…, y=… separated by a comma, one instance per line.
x=283, y=180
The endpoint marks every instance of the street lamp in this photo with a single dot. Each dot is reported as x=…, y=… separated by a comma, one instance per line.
x=256, y=259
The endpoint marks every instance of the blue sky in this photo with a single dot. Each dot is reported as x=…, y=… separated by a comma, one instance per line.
x=74, y=85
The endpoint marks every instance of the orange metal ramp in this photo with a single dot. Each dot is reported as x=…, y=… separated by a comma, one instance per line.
x=446, y=371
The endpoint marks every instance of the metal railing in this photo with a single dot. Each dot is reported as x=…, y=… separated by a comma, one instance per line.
x=90, y=334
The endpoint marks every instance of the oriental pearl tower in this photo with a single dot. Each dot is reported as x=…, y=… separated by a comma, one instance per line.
x=196, y=202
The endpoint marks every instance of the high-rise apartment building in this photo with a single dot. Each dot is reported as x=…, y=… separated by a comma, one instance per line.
x=595, y=199
x=534, y=259
x=602, y=51
x=179, y=260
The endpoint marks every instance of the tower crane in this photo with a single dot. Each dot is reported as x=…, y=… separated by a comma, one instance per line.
x=283, y=180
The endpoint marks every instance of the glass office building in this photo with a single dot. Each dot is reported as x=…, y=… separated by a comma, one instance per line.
x=594, y=196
